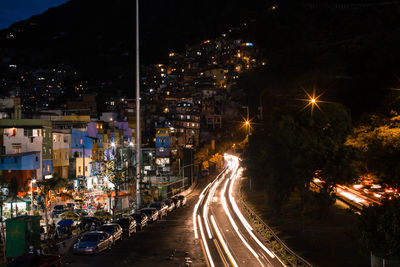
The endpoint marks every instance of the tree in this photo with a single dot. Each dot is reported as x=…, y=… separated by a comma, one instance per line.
x=378, y=142
x=380, y=228
x=294, y=144
x=46, y=186
x=117, y=175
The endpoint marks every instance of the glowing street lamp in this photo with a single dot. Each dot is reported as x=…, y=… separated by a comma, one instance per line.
x=312, y=100
x=247, y=125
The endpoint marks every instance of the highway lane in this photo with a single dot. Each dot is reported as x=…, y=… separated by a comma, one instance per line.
x=226, y=238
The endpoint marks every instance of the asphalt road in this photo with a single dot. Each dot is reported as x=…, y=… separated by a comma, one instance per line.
x=226, y=237
x=168, y=242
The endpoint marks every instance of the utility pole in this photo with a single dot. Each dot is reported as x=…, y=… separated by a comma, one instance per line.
x=84, y=173
x=138, y=145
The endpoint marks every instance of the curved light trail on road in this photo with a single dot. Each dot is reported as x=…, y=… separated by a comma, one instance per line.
x=228, y=238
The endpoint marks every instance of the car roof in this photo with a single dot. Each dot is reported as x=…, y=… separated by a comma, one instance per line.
x=108, y=224
x=124, y=218
x=94, y=233
x=144, y=209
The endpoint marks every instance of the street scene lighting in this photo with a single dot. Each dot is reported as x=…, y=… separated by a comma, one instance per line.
x=312, y=100
x=112, y=113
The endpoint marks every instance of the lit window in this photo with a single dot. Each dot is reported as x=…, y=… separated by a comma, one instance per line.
x=16, y=148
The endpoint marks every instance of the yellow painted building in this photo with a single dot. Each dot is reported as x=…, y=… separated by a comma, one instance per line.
x=163, y=132
x=61, y=150
x=79, y=167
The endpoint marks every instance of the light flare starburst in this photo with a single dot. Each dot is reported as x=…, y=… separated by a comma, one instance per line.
x=312, y=100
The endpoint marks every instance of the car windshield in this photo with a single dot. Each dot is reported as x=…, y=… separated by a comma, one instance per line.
x=90, y=238
x=58, y=207
x=147, y=211
x=137, y=216
x=107, y=228
x=123, y=222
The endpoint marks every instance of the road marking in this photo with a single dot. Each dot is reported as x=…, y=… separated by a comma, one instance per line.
x=224, y=245
x=221, y=255
x=205, y=242
x=204, y=253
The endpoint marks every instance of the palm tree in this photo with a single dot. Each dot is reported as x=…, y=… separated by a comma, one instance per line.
x=48, y=185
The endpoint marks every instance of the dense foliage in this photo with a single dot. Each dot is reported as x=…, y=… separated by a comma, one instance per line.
x=380, y=228
x=294, y=144
x=379, y=146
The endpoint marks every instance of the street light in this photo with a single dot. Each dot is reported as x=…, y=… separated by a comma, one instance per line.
x=247, y=124
x=32, y=182
x=312, y=100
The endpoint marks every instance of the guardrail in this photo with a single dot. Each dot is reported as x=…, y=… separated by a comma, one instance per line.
x=288, y=256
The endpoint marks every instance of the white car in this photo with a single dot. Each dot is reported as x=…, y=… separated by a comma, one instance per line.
x=113, y=229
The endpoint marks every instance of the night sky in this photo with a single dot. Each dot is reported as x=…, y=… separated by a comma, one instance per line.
x=16, y=10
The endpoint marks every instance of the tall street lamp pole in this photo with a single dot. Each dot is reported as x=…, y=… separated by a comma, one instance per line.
x=32, y=182
x=138, y=145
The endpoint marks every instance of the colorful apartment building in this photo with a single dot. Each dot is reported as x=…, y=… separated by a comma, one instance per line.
x=27, y=149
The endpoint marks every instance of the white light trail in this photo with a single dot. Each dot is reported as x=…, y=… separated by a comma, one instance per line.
x=210, y=260
x=223, y=242
x=205, y=207
x=196, y=207
x=225, y=206
x=244, y=224
x=236, y=209
x=352, y=197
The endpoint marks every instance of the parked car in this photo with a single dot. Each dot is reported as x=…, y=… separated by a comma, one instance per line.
x=70, y=206
x=177, y=201
x=170, y=204
x=58, y=209
x=81, y=212
x=93, y=243
x=34, y=260
x=151, y=213
x=141, y=220
x=128, y=225
x=113, y=229
x=87, y=221
x=183, y=200
x=161, y=207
